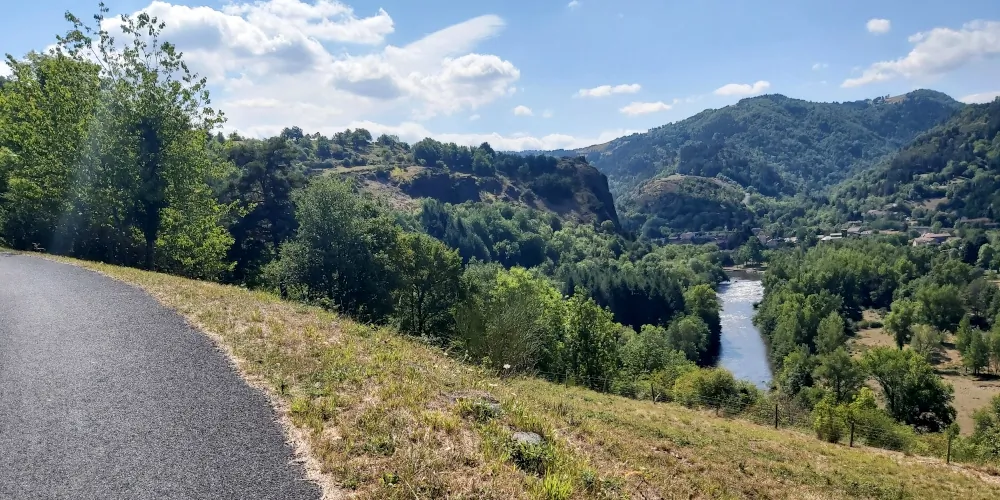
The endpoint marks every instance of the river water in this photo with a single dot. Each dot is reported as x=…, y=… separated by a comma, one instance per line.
x=743, y=350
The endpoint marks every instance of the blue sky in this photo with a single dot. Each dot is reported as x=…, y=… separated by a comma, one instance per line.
x=530, y=74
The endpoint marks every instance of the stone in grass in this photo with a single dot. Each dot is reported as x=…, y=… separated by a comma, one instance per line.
x=528, y=438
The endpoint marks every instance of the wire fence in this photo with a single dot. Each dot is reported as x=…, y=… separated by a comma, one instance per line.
x=869, y=429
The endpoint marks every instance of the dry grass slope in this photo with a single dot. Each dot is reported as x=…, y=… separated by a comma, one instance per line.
x=383, y=416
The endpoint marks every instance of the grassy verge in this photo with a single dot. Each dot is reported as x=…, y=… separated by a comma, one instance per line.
x=383, y=416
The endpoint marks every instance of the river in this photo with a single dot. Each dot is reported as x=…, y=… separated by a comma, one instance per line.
x=743, y=350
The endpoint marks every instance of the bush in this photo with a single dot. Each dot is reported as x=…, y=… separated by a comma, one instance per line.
x=829, y=420
x=715, y=388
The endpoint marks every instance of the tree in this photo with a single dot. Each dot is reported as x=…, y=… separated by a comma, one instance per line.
x=839, y=373
x=964, y=335
x=343, y=253
x=941, y=306
x=913, y=393
x=796, y=371
x=155, y=115
x=690, y=336
x=46, y=113
x=510, y=318
x=429, y=284
x=263, y=193
x=830, y=334
x=591, y=342
x=977, y=355
x=900, y=320
x=926, y=341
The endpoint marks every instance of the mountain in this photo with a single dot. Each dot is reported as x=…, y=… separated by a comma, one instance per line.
x=678, y=203
x=946, y=174
x=568, y=187
x=774, y=144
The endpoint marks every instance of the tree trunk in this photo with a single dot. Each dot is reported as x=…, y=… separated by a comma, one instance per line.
x=150, y=250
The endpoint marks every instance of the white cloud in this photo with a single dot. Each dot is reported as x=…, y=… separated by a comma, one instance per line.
x=5, y=69
x=820, y=66
x=937, y=52
x=981, y=97
x=607, y=90
x=547, y=113
x=326, y=20
x=644, y=108
x=275, y=63
x=412, y=131
x=878, y=26
x=573, y=4
x=743, y=88
x=523, y=111
x=474, y=118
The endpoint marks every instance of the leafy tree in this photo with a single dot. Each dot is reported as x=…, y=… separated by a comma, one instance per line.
x=263, y=193
x=840, y=374
x=830, y=334
x=343, y=253
x=429, y=284
x=941, y=306
x=690, y=336
x=155, y=115
x=900, y=320
x=591, y=342
x=510, y=318
x=964, y=335
x=796, y=371
x=46, y=113
x=926, y=341
x=986, y=431
x=977, y=355
x=913, y=393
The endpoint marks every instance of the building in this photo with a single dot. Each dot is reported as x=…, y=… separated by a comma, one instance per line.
x=928, y=239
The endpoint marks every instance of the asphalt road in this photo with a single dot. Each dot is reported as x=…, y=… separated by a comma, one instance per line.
x=105, y=394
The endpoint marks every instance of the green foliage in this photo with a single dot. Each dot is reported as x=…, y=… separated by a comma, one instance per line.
x=773, y=143
x=714, y=388
x=900, y=320
x=428, y=288
x=926, y=342
x=976, y=356
x=512, y=318
x=840, y=374
x=830, y=419
x=830, y=334
x=913, y=393
x=940, y=306
x=957, y=162
x=343, y=252
x=591, y=347
x=986, y=432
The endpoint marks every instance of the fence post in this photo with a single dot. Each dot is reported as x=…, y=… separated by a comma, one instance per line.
x=948, y=459
x=605, y=385
x=775, y=415
x=652, y=391
x=718, y=406
x=852, y=433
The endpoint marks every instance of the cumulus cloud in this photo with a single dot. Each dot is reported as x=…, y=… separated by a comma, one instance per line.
x=474, y=118
x=275, y=63
x=645, y=108
x=573, y=4
x=937, y=52
x=607, y=90
x=523, y=111
x=820, y=66
x=743, y=88
x=980, y=98
x=878, y=26
x=413, y=131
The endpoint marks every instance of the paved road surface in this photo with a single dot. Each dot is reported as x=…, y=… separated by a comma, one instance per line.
x=105, y=394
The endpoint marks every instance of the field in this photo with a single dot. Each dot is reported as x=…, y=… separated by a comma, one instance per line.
x=971, y=392
x=378, y=415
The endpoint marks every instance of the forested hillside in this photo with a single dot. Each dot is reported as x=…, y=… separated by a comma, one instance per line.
x=949, y=173
x=773, y=143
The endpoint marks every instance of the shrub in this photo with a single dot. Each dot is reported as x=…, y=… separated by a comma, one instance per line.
x=715, y=388
x=829, y=419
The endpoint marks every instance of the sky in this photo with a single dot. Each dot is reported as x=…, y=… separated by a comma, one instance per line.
x=545, y=74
